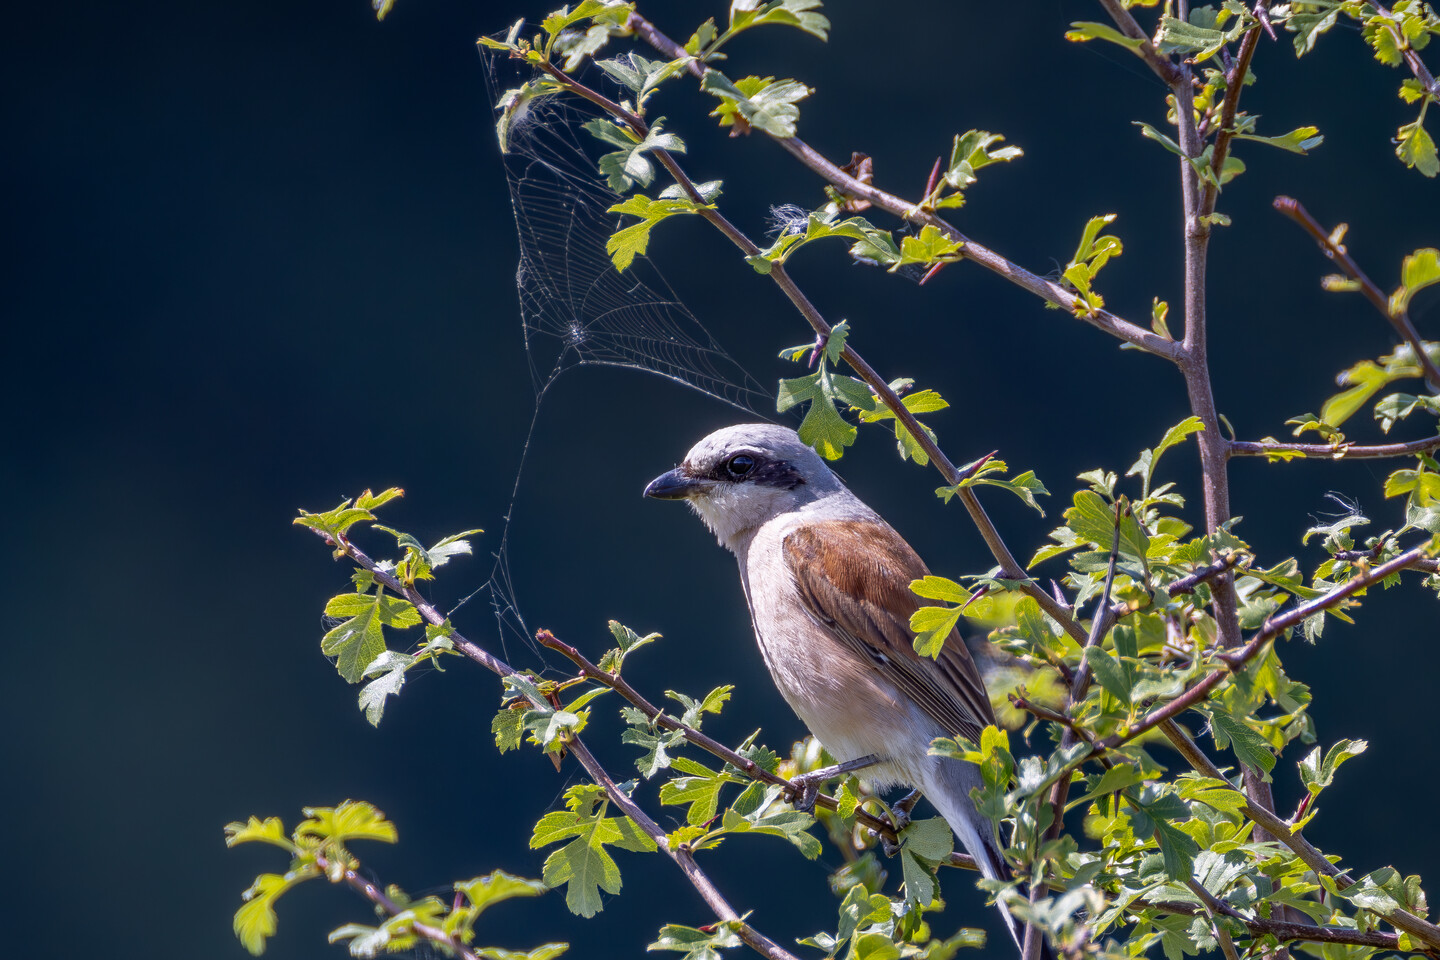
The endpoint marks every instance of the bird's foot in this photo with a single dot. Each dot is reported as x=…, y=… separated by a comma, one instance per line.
x=805, y=788
x=899, y=820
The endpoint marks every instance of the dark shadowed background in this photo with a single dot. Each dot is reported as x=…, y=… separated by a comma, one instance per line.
x=260, y=256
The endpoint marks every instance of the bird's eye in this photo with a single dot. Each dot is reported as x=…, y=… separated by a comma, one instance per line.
x=739, y=465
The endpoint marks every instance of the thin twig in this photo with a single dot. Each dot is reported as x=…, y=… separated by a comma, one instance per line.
x=1302, y=848
x=1338, y=255
x=1163, y=66
x=920, y=215
x=1286, y=932
x=1236, y=660
x=749, y=767
x=1412, y=56
x=375, y=895
x=1190, y=581
x=1336, y=451
x=703, y=885
x=1234, y=82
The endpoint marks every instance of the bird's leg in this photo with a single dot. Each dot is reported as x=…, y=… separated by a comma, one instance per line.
x=806, y=787
x=900, y=819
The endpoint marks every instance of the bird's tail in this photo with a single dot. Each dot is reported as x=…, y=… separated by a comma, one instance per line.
x=948, y=785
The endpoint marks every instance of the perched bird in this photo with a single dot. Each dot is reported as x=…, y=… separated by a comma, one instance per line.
x=828, y=585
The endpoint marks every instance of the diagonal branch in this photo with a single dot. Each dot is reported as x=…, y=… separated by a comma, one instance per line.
x=1236, y=660
x=1338, y=255
x=1161, y=65
x=752, y=938
x=376, y=896
x=921, y=216
x=751, y=769
x=1302, y=848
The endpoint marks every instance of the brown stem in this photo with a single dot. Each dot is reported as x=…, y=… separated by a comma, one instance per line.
x=1234, y=82
x=1163, y=66
x=1272, y=627
x=751, y=769
x=1338, y=255
x=920, y=215
x=1190, y=581
x=1302, y=848
x=1341, y=451
x=682, y=858
x=375, y=895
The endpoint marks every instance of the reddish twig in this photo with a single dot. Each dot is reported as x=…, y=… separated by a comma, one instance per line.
x=1337, y=254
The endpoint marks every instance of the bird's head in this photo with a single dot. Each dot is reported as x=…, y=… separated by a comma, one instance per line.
x=739, y=477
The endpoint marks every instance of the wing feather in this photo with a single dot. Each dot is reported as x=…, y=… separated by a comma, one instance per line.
x=854, y=578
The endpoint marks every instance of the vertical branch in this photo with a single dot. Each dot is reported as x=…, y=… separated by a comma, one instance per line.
x=1196, y=204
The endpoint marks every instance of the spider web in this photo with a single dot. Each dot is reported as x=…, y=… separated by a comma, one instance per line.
x=575, y=306
x=576, y=309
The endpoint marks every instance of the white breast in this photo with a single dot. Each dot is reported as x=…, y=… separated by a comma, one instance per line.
x=844, y=702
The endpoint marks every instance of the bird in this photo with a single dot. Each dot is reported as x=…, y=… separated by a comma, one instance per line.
x=827, y=582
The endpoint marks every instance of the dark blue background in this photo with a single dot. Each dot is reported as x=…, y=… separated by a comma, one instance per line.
x=260, y=256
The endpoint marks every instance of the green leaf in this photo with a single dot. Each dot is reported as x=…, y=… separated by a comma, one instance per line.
x=1085, y=30
x=1145, y=466
x=970, y=153
x=1110, y=673
x=1160, y=138
x=1309, y=22
x=1415, y=148
x=931, y=246
x=351, y=820
x=923, y=845
x=389, y=671
x=932, y=626
x=761, y=102
x=1178, y=850
x=701, y=792
x=1299, y=140
x=335, y=523
x=755, y=811
x=601, y=10
x=1362, y=381
x=628, y=641
x=497, y=886
x=1250, y=748
x=583, y=865
x=546, y=951
x=359, y=640
x=1317, y=774
x=629, y=165
x=629, y=242
x=1418, y=271
x=255, y=921
x=697, y=944
x=270, y=830
x=801, y=14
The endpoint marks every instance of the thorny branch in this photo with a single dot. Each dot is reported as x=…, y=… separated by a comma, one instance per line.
x=752, y=938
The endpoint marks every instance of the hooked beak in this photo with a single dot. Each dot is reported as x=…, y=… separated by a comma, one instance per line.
x=675, y=485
